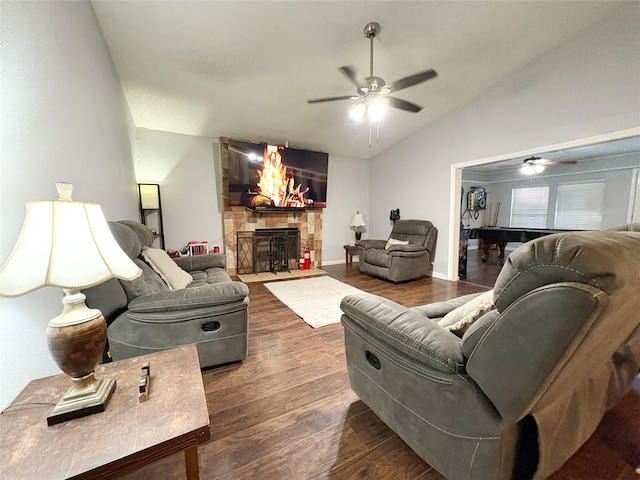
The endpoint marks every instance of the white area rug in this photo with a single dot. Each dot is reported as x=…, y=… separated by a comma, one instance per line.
x=315, y=300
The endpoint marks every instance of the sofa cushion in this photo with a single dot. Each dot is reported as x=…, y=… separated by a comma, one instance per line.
x=169, y=271
x=146, y=284
x=461, y=318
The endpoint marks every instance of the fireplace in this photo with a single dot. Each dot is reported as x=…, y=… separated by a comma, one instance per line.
x=267, y=250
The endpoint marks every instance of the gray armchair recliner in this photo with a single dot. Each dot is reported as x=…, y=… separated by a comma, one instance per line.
x=410, y=257
x=144, y=315
x=529, y=381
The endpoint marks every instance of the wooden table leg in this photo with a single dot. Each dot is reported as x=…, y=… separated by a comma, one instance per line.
x=191, y=463
x=485, y=251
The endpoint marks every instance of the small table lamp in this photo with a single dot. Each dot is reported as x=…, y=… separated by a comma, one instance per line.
x=357, y=222
x=69, y=245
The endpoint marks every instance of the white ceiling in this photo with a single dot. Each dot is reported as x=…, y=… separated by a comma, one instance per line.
x=244, y=69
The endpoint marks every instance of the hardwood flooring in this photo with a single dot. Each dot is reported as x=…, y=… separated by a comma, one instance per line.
x=289, y=413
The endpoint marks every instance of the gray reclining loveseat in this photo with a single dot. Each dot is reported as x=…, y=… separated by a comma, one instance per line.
x=518, y=391
x=145, y=315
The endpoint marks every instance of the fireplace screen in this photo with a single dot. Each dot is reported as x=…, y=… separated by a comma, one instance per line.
x=268, y=250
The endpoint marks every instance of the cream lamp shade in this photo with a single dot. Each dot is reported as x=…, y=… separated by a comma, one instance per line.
x=358, y=220
x=69, y=245
x=64, y=244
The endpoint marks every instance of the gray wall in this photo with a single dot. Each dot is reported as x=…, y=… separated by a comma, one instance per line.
x=63, y=119
x=588, y=86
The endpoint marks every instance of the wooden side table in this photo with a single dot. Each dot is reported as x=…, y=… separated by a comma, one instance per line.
x=349, y=251
x=126, y=436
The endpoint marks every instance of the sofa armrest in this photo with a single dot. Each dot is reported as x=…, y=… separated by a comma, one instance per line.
x=201, y=262
x=208, y=295
x=405, y=331
x=366, y=244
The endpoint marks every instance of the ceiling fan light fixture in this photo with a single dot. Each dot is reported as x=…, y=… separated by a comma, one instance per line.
x=357, y=113
x=376, y=111
x=531, y=168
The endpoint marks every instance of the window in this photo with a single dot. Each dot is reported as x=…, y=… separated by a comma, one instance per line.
x=579, y=206
x=529, y=207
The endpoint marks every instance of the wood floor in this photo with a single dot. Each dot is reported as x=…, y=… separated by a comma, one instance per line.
x=288, y=411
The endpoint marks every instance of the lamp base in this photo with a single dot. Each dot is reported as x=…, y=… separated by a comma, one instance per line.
x=88, y=400
x=76, y=340
x=358, y=235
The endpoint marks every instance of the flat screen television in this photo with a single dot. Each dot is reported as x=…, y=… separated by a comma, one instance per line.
x=267, y=177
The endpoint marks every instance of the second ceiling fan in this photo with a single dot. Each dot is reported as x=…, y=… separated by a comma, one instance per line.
x=374, y=90
x=533, y=165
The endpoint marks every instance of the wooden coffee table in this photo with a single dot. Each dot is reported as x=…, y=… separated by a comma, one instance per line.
x=126, y=436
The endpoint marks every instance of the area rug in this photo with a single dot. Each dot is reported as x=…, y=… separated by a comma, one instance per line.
x=315, y=300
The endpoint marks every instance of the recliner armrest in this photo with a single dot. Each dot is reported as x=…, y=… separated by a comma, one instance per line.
x=408, y=248
x=366, y=244
x=405, y=330
x=201, y=262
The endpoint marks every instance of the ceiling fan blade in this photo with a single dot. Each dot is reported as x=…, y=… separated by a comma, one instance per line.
x=352, y=74
x=332, y=99
x=412, y=80
x=556, y=162
x=403, y=104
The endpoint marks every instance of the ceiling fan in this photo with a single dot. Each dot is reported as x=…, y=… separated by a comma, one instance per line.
x=533, y=165
x=372, y=91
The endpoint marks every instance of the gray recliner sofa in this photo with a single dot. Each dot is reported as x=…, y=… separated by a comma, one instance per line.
x=144, y=315
x=529, y=381
x=410, y=256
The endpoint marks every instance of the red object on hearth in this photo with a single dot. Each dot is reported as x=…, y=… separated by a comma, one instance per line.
x=301, y=262
x=307, y=258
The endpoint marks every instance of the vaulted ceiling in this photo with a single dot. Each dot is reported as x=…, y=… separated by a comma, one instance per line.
x=245, y=69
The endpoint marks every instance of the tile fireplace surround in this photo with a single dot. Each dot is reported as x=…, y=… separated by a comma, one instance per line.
x=241, y=219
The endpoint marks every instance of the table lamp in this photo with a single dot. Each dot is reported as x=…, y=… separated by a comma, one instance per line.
x=69, y=245
x=357, y=222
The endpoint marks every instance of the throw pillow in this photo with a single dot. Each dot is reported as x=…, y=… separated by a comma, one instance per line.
x=175, y=277
x=461, y=318
x=393, y=241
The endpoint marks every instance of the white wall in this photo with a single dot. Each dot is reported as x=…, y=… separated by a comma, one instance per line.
x=188, y=171
x=585, y=87
x=185, y=167
x=63, y=119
